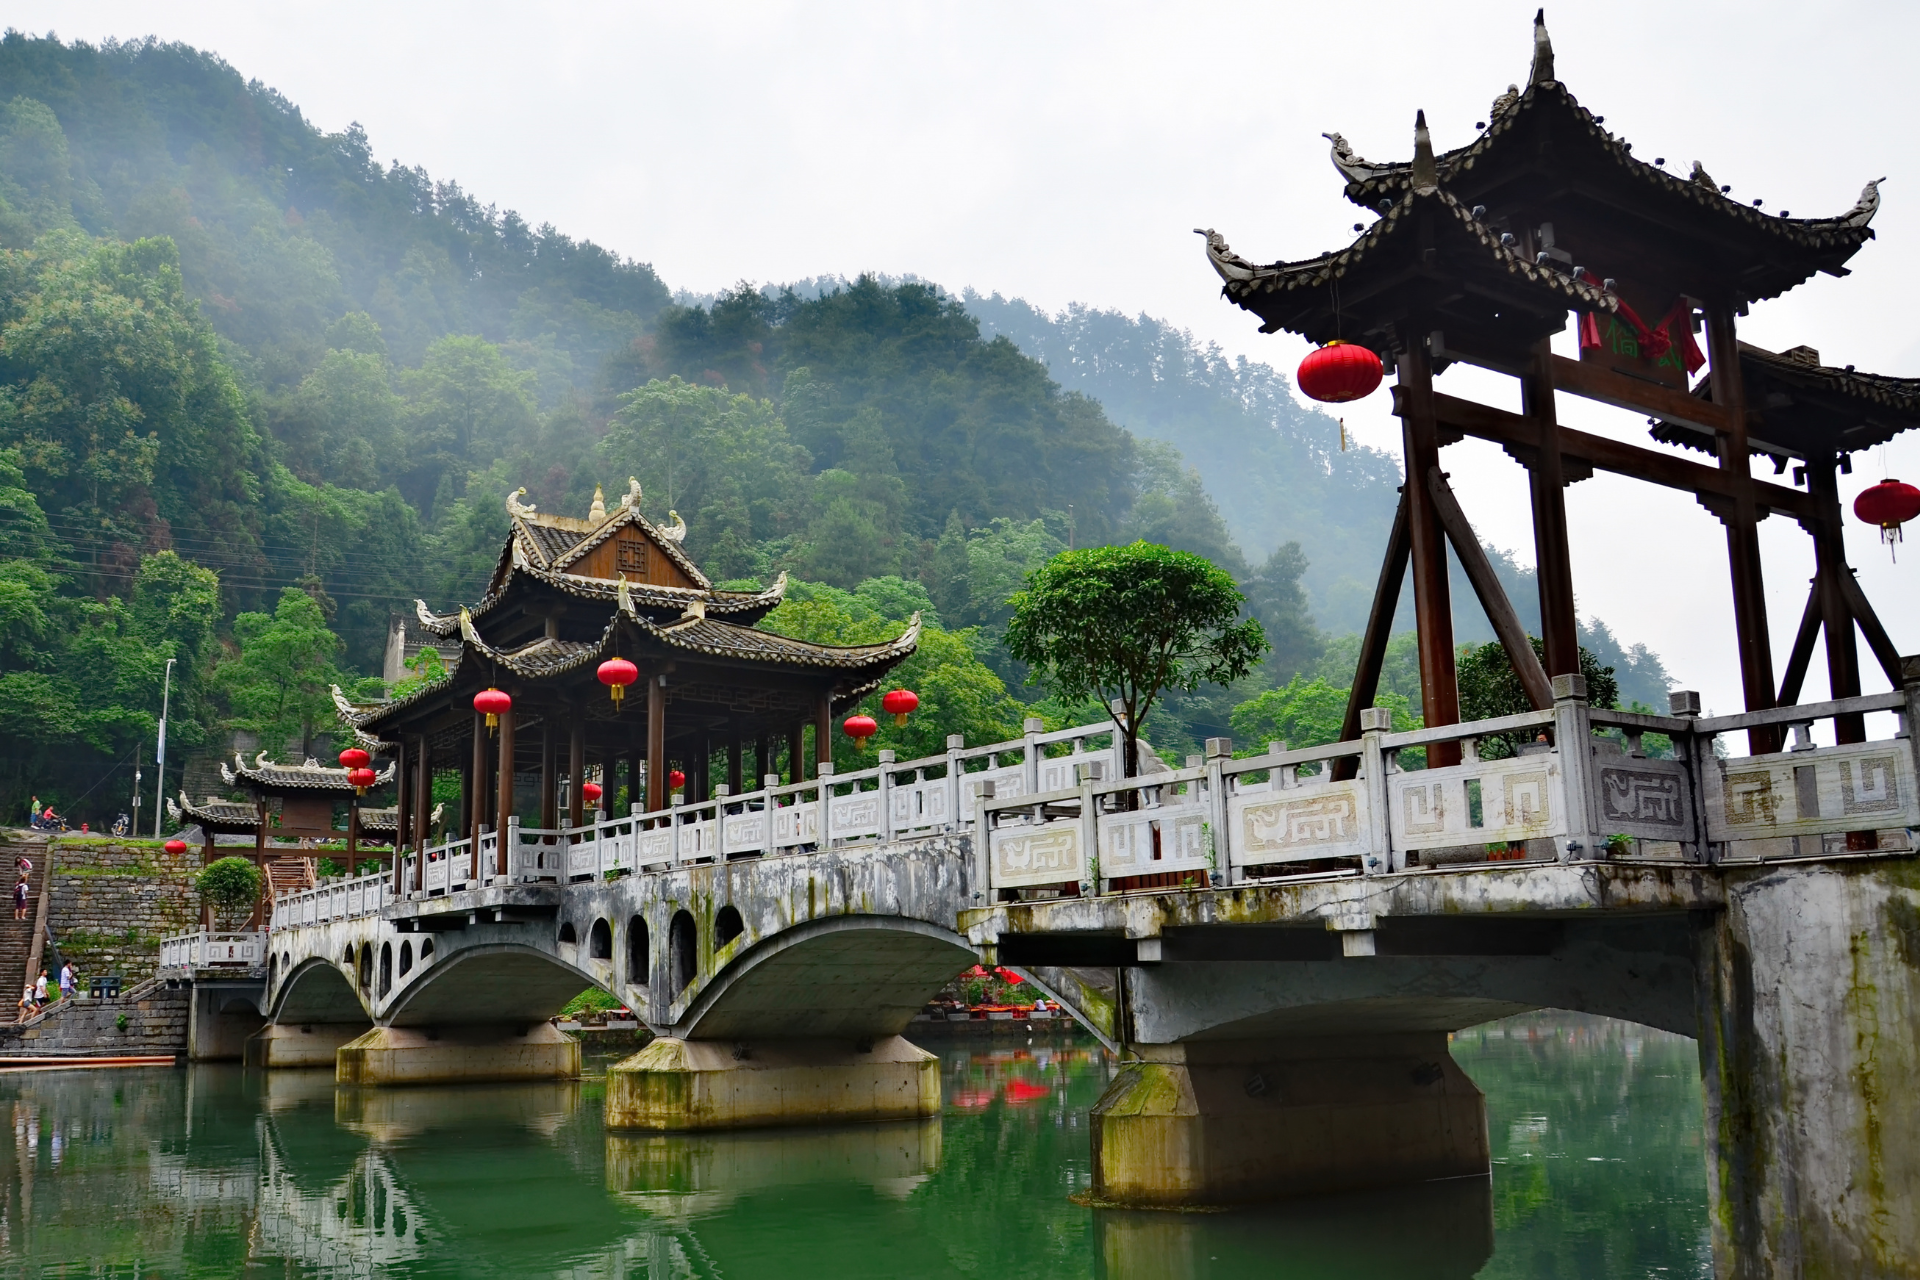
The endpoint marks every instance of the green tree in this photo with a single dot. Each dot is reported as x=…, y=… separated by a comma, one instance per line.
x=277, y=686
x=1490, y=688
x=229, y=885
x=465, y=406
x=1129, y=622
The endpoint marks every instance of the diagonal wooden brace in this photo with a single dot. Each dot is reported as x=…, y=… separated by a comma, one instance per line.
x=1493, y=598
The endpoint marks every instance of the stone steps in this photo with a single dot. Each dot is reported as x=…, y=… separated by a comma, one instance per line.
x=16, y=936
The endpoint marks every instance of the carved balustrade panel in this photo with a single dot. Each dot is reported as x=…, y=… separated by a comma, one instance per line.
x=1294, y=824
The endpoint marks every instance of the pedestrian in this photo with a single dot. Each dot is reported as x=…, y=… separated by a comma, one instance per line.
x=20, y=892
x=40, y=989
x=26, y=1003
x=66, y=980
x=23, y=864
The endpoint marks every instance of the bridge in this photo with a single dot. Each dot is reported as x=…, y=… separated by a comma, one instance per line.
x=1278, y=953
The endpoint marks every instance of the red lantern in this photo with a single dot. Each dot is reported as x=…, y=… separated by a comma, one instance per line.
x=176, y=847
x=493, y=704
x=354, y=758
x=1888, y=504
x=591, y=792
x=860, y=728
x=617, y=674
x=361, y=779
x=898, y=703
x=676, y=780
x=1339, y=372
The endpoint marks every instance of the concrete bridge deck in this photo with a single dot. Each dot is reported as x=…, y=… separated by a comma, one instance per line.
x=1276, y=953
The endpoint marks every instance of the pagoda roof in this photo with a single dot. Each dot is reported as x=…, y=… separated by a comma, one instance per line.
x=231, y=817
x=1360, y=292
x=265, y=776
x=1543, y=159
x=745, y=607
x=1800, y=408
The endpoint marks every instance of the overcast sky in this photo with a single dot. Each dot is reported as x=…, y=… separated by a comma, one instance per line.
x=1065, y=153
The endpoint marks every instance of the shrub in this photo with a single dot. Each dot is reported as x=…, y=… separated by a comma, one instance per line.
x=229, y=884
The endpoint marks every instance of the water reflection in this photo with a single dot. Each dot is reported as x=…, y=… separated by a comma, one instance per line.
x=217, y=1172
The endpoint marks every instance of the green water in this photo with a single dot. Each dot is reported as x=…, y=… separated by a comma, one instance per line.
x=215, y=1172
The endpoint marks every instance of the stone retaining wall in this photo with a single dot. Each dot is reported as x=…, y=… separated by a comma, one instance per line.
x=149, y=1018
x=113, y=901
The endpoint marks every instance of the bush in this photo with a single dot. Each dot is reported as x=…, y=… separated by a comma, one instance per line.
x=229, y=884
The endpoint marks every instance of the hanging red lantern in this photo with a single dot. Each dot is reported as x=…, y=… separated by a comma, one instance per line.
x=860, y=728
x=898, y=703
x=617, y=674
x=1888, y=504
x=1339, y=372
x=361, y=779
x=176, y=847
x=676, y=780
x=492, y=703
x=354, y=758
x=591, y=793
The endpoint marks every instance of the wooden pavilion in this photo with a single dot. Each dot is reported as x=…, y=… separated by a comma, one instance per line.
x=1478, y=255
x=567, y=595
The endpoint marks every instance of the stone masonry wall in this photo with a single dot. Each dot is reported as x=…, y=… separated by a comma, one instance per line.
x=149, y=1018
x=113, y=902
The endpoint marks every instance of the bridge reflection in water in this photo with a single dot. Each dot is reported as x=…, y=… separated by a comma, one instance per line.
x=1596, y=1136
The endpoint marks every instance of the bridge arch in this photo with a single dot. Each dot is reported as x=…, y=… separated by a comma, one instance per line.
x=683, y=954
x=503, y=982
x=639, y=959
x=316, y=990
x=727, y=925
x=600, y=940
x=852, y=976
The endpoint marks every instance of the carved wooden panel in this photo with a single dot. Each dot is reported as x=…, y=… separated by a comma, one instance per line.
x=632, y=553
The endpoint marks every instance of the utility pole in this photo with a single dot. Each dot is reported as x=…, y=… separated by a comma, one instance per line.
x=135, y=828
x=160, y=755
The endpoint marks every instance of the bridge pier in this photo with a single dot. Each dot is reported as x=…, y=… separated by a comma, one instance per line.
x=285, y=1045
x=1221, y=1122
x=675, y=1084
x=457, y=1055
x=1809, y=1048
x=223, y=1014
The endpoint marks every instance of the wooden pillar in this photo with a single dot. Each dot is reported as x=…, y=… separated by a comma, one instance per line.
x=1741, y=517
x=422, y=809
x=206, y=857
x=1559, y=624
x=822, y=732
x=501, y=852
x=353, y=835
x=549, y=779
x=636, y=783
x=657, y=797
x=480, y=790
x=1836, y=619
x=733, y=765
x=576, y=773
x=1427, y=542
x=796, y=752
x=402, y=815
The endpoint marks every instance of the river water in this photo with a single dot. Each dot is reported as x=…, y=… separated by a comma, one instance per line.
x=215, y=1172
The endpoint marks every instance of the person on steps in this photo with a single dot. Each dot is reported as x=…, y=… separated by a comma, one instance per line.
x=20, y=895
x=66, y=980
x=40, y=990
x=26, y=1003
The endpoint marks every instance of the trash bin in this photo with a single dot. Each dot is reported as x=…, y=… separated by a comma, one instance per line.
x=113, y=986
x=97, y=988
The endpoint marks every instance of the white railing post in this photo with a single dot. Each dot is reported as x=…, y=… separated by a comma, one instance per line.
x=1573, y=736
x=1089, y=839
x=886, y=795
x=956, y=743
x=1374, y=722
x=1219, y=752
x=673, y=824
x=825, y=781
x=769, y=844
x=1033, y=727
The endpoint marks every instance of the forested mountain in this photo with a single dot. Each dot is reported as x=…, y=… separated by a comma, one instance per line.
x=258, y=391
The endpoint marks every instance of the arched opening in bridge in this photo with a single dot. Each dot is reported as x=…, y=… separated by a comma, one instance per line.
x=637, y=952
x=273, y=967
x=286, y=961
x=386, y=968
x=406, y=958
x=366, y=966
x=346, y=961
x=426, y=951
x=727, y=926
x=566, y=932
x=600, y=941
x=682, y=957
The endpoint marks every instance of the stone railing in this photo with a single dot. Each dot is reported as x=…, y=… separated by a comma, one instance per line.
x=1289, y=813
x=335, y=900
x=191, y=951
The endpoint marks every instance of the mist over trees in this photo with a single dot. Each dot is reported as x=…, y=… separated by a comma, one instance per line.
x=259, y=390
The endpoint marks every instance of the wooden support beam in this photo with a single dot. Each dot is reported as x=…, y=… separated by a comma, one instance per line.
x=423, y=809
x=1802, y=656
x=1877, y=639
x=1830, y=573
x=549, y=775
x=656, y=742
x=1741, y=516
x=1594, y=382
x=1432, y=601
x=1373, y=642
x=404, y=803
x=822, y=733
x=1484, y=422
x=576, y=771
x=1493, y=597
x=501, y=851
x=1552, y=551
